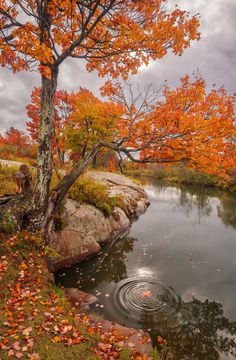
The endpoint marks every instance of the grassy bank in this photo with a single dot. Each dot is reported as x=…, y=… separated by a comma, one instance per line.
x=36, y=321
x=177, y=175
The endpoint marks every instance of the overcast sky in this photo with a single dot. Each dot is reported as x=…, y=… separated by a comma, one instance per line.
x=214, y=55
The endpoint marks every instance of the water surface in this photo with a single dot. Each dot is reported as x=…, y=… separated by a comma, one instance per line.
x=174, y=275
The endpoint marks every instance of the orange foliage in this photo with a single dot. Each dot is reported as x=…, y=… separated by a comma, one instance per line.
x=189, y=124
x=91, y=121
x=15, y=137
x=114, y=36
x=62, y=109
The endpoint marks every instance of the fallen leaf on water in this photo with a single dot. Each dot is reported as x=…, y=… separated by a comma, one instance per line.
x=146, y=293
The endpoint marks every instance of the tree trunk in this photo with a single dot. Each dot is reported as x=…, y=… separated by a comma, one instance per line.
x=38, y=203
x=59, y=193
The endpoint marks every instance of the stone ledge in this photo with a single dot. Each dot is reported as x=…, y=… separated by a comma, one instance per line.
x=88, y=229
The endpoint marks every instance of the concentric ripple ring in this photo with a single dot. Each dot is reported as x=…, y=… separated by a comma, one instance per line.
x=137, y=295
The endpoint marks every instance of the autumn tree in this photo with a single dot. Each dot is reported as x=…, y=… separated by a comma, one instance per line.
x=15, y=140
x=114, y=36
x=62, y=110
x=188, y=124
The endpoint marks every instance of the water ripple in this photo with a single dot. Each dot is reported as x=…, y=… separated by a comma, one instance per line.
x=136, y=296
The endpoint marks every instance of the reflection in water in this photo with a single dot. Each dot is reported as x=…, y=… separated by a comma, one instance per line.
x=109, y=266
x=194, y=202
x=199, y=331
x=227, y=210
x=139, y=294
x=132, y=276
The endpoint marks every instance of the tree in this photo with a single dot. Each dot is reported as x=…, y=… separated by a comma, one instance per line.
x=181, y=125
x=91, y=121
x=164, y=126
x=114, y=36
x=17, y=139
x=62, y=110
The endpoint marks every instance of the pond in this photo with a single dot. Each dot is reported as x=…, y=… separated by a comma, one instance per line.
x=173, y=275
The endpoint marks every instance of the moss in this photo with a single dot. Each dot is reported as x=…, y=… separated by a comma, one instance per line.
x=94, y=193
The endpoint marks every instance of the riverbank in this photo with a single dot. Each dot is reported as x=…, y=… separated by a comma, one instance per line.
x=181, y=175
x=111, y=203
x=37, y=321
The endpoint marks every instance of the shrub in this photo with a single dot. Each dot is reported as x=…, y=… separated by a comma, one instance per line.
x=91, y=192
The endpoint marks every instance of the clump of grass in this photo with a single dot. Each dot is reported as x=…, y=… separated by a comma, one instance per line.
x=59, y=221
x=94, y=193
x=8, y=185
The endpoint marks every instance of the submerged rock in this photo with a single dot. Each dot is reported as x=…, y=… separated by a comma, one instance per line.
x=80, y=299
x=88, y=228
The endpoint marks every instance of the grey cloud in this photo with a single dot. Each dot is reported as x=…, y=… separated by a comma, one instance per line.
x=15, y=90
x=214, y=55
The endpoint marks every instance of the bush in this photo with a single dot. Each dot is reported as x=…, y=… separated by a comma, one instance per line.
x=91, y=192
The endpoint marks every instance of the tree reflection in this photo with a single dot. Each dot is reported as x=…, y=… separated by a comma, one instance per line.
x=199, y=331
x=194, y=201
x=227, y=210
x=108, y=266
x=198, y=201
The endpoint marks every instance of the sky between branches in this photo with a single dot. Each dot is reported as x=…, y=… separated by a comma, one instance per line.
x=214, y=55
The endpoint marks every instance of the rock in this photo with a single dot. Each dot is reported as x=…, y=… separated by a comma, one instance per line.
x=88, y=229
x=134, y=339
x=80, y=299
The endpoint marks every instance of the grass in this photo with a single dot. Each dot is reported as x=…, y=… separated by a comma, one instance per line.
x=8, y=185
x=94, y=193
x=180, y=174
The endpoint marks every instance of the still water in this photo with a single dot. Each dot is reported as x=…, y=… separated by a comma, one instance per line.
x=173, y=275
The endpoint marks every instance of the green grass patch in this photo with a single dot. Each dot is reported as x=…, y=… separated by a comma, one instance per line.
x=86, y=190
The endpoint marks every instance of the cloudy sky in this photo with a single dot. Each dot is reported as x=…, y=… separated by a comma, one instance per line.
x=214, y=56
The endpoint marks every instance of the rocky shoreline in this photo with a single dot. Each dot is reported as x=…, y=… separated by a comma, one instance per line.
x=88, y=229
